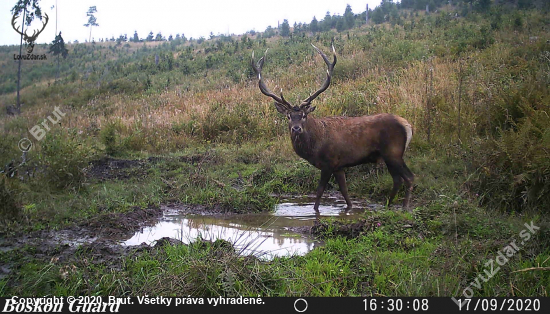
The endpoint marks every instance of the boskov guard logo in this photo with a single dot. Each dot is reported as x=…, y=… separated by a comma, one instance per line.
x=29, y=39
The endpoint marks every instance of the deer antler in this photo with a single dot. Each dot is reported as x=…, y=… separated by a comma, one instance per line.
x=35, y=33
x=13, y=24
x=263, y=88
x=326, y=84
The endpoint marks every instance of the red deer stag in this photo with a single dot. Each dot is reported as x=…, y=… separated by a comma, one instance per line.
x=334, y=143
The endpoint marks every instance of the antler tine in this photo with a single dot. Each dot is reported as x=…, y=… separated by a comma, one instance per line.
x=252, y=62
x=37, y=32
x=46, y=23
x=326, y=84
x=13, y=24
x=258, y=66
x=263, y=88
x=284, y=100
x=330, y=65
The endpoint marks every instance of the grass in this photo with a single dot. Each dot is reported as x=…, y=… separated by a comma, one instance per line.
x=394, y=260
x=201, y=133
x=437, y=250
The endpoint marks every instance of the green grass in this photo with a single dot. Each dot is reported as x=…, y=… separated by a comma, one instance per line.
x=196, y=130
x=393, y=260
x=438, y=249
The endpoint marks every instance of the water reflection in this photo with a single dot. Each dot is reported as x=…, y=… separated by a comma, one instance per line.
x=263, y=235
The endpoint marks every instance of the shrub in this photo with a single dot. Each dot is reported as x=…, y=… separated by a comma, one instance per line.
x=517, y=173
x=108, y=137
x=8, y=205
x=63, y=157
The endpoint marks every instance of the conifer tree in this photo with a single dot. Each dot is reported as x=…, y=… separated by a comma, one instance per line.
x=57, y=48
x=92, y=20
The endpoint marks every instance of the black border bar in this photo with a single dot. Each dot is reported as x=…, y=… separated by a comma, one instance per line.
x=266, y=305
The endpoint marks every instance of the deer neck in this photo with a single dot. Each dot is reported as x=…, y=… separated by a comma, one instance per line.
x=305, y=142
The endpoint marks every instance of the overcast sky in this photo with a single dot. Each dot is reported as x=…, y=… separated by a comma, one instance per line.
x=193, y=18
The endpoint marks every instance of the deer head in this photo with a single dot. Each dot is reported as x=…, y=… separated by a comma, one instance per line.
x=297, y=115
x=29, y=39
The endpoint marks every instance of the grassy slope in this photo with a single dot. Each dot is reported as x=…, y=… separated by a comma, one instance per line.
x=216, y=112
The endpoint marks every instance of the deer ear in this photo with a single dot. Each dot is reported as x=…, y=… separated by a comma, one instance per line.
x=309, y=109
x=281, y=108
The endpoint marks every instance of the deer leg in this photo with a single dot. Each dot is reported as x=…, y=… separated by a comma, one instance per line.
x=325, y=176
x=341, y=179
x=397, y=182
x=408, y=176
x=396, y=173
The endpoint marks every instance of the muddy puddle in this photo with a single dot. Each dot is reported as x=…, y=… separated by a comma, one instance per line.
x=282, y=232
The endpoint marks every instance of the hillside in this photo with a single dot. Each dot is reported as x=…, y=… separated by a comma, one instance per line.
x=472, y=80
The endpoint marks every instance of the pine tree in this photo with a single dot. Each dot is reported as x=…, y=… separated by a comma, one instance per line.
x=314, y=25
x=285, y=29
x=30, y=9
x=349, y=18
x=57, y=48
x=340, y=24
x=326, y=24
x=92, y=20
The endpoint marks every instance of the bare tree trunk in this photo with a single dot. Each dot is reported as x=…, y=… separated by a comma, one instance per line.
x=460, y=78
x=55, y=17
x=90, y=38
x=57, y=74
x=20, y=59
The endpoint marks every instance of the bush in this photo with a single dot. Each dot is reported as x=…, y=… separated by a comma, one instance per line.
x=229, y=124
x=517, y=173
x=108, y=137
x=8, y=205
x=63, y=157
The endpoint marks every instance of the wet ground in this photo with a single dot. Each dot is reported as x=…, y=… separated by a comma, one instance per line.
x=285, y=231
x=108, y=238
x=108, y=168
x=98, y=237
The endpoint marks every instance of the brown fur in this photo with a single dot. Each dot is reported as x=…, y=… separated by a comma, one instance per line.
x=334, y=143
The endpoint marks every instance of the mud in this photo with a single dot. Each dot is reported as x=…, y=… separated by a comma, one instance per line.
x=101, y=239
x=324, y=229
x=97, y=239
x=288, y=230
x=109, y=168
x=106, y=169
